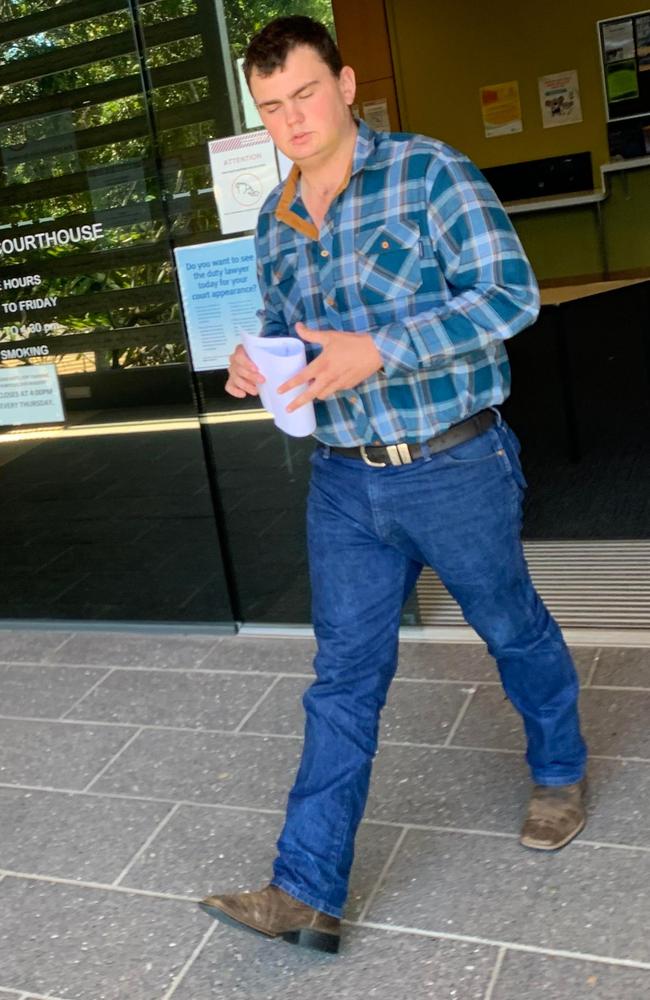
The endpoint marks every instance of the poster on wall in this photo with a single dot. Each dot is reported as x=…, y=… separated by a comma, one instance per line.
x=501, y=109
x=375, y=114
x=619, y=55
x=220, y=296
x=244, y=172
x=559, y=97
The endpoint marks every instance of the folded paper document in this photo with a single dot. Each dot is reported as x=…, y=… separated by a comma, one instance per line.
x=278, y=358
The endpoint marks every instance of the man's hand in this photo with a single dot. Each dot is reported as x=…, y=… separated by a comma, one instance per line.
x=243, y=376
x=345, y=360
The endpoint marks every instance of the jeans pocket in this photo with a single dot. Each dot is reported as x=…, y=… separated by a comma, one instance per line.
x=511, y=449
x=482, y=448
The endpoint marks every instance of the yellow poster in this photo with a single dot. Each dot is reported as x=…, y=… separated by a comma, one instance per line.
x=501, y=109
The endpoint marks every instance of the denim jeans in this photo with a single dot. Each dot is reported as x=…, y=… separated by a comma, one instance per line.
x=370, y=531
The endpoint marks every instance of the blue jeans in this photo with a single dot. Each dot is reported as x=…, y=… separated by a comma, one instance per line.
x=370, y=531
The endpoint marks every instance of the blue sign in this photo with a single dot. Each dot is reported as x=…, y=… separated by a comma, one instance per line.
x=221, y=298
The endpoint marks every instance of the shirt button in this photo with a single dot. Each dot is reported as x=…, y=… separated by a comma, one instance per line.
x=354, y=400
x=324, y=253
x=376, y=441
x=385, y=245
x=330, y=300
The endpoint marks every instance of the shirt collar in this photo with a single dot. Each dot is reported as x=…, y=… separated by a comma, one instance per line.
x=364, y=148
x=290, y=209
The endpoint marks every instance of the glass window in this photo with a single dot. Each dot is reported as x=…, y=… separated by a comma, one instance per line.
x=107, y=496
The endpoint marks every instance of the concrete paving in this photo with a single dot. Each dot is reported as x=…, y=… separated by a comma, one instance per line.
x=138, y=772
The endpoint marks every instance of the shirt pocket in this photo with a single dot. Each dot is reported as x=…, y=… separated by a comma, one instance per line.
x=388, y=259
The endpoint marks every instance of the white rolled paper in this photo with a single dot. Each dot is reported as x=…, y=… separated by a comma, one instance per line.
x=278, y=359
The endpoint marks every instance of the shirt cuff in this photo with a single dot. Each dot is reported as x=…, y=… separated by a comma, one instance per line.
x=394, y=344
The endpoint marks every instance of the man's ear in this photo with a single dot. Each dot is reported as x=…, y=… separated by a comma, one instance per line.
x=348, y=84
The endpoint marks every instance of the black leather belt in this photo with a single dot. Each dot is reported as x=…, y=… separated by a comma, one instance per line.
x=380, y=455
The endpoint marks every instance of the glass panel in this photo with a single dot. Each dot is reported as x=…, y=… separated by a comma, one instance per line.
x=106, y=493
x=262, y=475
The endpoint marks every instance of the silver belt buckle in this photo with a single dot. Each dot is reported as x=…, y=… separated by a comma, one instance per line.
x=369, y=461
x=398, y=454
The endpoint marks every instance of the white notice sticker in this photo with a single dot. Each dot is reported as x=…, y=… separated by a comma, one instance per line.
x=244, y=172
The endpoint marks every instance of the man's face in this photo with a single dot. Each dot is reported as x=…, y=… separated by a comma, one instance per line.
x=305, y=108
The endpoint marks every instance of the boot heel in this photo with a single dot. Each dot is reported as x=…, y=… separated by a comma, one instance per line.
x=316, y=940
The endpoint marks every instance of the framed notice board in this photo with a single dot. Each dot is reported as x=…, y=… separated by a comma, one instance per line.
x=625, y=63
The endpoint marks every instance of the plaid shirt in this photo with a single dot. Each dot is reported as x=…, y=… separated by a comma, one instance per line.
x=416, y=250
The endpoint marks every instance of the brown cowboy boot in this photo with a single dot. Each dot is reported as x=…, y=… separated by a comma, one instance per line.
x=556, y=814
x=274, y=913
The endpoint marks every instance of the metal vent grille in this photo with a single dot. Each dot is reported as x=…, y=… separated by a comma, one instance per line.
x=601, y=584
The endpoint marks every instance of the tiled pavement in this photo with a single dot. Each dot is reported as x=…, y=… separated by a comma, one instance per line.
x=139, y=771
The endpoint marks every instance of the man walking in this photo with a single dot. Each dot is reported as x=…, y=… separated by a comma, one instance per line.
x=392, y=258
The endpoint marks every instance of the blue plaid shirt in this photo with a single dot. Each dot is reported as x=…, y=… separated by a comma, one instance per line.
x=416, y=250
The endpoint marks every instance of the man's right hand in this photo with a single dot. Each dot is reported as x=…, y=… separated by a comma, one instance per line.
x=243, y=376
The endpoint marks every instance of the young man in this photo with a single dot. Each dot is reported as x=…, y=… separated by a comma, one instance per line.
x=392, y=258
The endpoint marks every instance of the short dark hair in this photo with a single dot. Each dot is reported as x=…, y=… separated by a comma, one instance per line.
x=269, y=49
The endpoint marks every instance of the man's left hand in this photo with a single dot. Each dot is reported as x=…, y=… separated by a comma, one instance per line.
x=346, y=360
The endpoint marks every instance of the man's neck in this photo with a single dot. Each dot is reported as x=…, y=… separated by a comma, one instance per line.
x=322, y=179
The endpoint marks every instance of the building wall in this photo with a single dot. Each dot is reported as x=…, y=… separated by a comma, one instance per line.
x=442, y=52
x=362, y=34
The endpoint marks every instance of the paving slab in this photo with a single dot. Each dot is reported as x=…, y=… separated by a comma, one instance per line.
x=373, y=964
x=280, y=655
x=281, y=712
x=583, y=658
x=614, y=722
x=73, y=836
x=467, y=662
x=226, y=850
x=466, y=789
x=48, y=692
x=618, y=802
x=584, y=899
x=57, y=754
x=120, y=650
x=490, y=721
x=488, y=791
x=17, y=645
x=623, y=668
x=463, y=662
x=421, y=711
x=525, y=976
x=253, y=771
x=416, y=711
x=188, y=699
x=83, y=944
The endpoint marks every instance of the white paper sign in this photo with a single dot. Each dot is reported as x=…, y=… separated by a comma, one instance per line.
x=278, y=359
x=244, y=172
x=30, y=394
x=559, y=97
x=375, y=114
